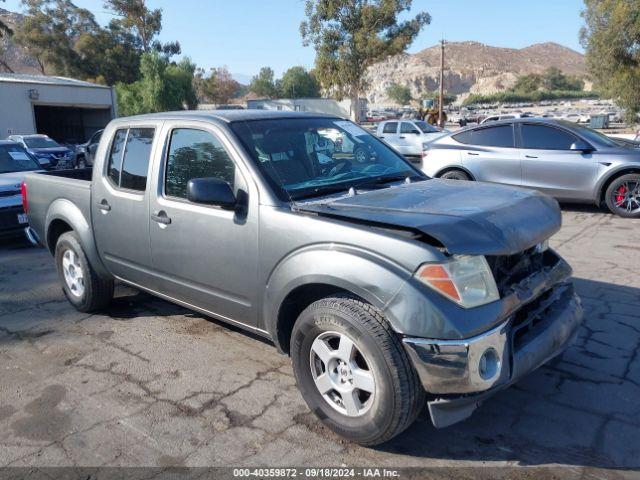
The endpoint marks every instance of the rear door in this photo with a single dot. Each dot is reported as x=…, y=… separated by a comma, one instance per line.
x=490, y=155
x=120, y=202
x=204, y=255
x=390, y=134
x=410, y=139
x=549, y=164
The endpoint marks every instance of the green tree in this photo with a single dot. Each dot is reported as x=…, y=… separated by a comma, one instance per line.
x=226, y=86
x=297, y=82
x=263, y=84
x=400, y=94
x=349, y=36
x=554, y=79
x=163, y=86
x=528, y=83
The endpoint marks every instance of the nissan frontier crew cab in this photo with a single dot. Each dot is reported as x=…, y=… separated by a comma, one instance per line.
x=387, y=289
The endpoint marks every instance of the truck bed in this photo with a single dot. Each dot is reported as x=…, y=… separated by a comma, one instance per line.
x=59, y=191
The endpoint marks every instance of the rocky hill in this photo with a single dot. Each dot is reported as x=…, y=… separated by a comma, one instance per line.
x=470, y=67
x=11, y=55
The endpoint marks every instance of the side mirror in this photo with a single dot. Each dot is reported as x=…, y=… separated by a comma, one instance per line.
x=211, y=191
x=581, y=146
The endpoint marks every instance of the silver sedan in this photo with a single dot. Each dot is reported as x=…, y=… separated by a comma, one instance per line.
x=570, y=162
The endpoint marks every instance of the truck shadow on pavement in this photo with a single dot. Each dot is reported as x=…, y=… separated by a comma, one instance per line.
x=581, y=409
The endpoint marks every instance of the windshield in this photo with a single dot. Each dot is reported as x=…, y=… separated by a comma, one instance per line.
x=13, y=158
x=306, y=157
x=426, y=128
x=592, y=135
x=40, y=142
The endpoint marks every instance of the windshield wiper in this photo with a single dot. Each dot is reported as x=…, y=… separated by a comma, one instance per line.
x=379, y=181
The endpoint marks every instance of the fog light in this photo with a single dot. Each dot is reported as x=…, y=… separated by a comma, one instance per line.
x=489, y=364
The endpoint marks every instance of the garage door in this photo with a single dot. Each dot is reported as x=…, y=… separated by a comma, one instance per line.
x=70, y=124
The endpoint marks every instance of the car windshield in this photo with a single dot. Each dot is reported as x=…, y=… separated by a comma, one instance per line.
x=40, y=142
x=306, y=157
x=13, y=158
x=592, y=135
x=426, y=128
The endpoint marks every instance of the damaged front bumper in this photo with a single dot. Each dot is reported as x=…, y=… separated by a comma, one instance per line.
x=541, y=316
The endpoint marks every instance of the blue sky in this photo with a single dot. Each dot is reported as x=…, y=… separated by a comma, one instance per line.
x=245, y=35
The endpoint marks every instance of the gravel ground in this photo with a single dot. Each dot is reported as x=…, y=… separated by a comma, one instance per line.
x=148, y=383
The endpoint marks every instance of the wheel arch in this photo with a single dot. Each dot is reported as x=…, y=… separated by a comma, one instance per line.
x=602, y=189
x=64, y=216
x=455, y=167
x=310, y=275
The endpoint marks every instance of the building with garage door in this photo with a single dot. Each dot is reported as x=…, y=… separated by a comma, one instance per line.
x=67, y=110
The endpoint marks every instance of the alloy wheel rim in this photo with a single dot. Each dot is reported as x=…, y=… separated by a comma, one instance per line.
x=342, y=374
x=73, y=273
x=627, y=196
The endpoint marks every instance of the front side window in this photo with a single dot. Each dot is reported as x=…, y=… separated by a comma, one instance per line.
x=406, y=127
x=426, y=128
x=306, y=157
x=195, y=154
x=390, y=127
x=135, y=163
x=546, y=138
x=498, y=136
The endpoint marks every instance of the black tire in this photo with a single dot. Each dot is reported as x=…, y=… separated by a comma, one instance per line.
x=398, y=397
x=97, y=292
x=613, y=196
x=361, y=155
x=456, y=175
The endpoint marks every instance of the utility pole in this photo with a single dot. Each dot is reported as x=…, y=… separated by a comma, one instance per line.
x=441, y=95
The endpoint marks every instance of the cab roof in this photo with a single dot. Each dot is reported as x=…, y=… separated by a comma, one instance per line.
x=227, y=116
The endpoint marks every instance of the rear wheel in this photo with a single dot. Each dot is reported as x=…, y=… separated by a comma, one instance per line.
x=82, y=286
x=353, y=371
x=623, y=196
x=456, y=175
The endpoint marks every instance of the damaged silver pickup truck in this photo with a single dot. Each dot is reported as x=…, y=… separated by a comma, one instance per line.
x=386, y=288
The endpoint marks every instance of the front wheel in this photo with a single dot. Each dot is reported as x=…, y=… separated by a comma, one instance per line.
x=353, y=371
x=82, y=286
x=623, y=196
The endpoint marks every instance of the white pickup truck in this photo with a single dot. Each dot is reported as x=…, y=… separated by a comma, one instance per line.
x=408, y=136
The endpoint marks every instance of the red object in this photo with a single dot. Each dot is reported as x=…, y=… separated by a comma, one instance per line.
x=621, y=191
x=25, y=201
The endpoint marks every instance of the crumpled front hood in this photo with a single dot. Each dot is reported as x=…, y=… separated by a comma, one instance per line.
x=466, y=217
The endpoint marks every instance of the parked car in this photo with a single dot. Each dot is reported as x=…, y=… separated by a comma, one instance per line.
x=568, y=161
x=505, y=116
x=48, y=152
x=85, y=152
x=15, y=161
x=386, y=288
x=408, y=136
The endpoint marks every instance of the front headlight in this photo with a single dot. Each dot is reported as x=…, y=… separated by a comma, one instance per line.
x=466, y=280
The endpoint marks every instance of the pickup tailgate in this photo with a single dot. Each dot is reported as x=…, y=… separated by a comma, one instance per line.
x=57, y=195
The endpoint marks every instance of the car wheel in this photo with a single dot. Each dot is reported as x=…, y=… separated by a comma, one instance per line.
x=361, y=155
x=456, y=175
x=82, y=286
x=623, y=196
x=353, y=371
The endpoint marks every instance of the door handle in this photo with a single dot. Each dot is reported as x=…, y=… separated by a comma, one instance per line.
x=530, y=156
x=472, y=153
x=104, y=205
x=401, y=136
x=380, y=136
x=161, y=217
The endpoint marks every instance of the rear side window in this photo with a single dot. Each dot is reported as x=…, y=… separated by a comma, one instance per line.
x=546, y=138
x=391, y=127
x=115, y=156
x=129, y=158
x=195, y=154
x=498, y=136
x=136, y=159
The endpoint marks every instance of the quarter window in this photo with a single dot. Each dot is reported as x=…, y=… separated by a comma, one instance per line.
x=498, y=136
x=546, y=138
x=195, y=154
x=115, y=156
x=391, y=127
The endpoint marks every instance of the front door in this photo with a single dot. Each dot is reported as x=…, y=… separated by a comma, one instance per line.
x=120, y=202
x=203, y=255
x=549, y=164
